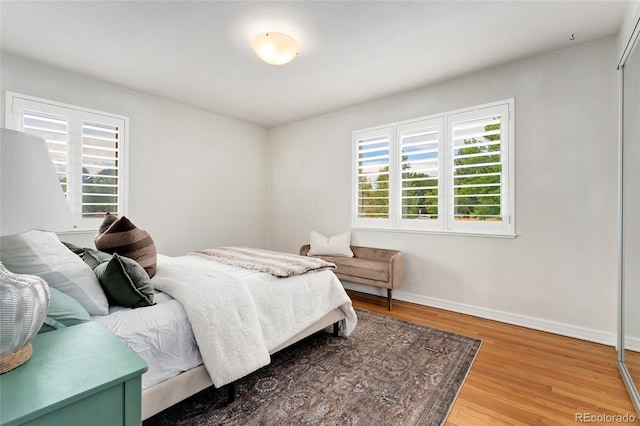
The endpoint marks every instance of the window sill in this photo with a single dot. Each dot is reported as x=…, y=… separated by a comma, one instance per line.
x=79, y=231
x=486, y=234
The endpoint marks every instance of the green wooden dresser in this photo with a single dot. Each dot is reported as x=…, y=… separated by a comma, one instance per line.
x=79, y=375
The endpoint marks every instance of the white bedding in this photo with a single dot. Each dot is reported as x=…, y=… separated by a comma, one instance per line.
x=163, y=334
x=238, y=316
x=160, y=334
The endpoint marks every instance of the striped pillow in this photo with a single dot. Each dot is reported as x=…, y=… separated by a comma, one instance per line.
x=119, y=235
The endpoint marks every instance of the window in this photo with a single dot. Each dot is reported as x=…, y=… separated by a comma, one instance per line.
x=374, y=158
x=87, y=149
x=450, y=172
x=420, y=174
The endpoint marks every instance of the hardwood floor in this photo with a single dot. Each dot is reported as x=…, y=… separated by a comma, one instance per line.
x=523, y=376
x=632, y=360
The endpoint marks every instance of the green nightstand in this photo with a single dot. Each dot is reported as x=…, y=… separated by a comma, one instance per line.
x=77, y=376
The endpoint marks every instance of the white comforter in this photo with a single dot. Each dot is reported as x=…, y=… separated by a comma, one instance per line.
x=238, y=316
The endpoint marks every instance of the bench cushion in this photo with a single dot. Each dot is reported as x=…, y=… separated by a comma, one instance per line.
x=358, y=267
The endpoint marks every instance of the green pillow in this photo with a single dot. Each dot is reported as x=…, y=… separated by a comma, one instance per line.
x=64, y=311
x=94, y=257
x=74, y=248
x=124, y=281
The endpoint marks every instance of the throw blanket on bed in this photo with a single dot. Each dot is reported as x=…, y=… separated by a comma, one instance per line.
x=238, y=316
x=230, y=340
x=278, y=264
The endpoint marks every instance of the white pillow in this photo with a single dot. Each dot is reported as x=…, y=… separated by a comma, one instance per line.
x=337, y=245
x=42, y=254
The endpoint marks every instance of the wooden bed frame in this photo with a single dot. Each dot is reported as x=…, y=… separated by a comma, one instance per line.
x=165, y=394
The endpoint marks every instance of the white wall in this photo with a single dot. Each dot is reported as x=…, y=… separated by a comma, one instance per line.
x=629, y=23
x=197, y=179
x=559, y=274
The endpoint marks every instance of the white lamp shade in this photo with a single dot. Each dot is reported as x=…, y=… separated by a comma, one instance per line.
x=31, y=196
x=275, y=48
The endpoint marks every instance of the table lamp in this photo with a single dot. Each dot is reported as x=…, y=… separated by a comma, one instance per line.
x=31, y=197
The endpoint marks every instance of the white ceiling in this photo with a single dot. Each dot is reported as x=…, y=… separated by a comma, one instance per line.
x=199, y=52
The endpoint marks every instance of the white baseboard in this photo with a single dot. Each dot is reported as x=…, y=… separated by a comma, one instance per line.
x=632, y=343
x=569, y=330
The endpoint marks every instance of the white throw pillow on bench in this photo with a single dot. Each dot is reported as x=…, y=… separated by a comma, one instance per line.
x=337, y=245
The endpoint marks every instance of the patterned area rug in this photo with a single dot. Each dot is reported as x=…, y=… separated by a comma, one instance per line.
x=389, y=372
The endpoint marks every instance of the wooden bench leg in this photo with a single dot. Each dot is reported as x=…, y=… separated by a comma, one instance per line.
x=389, y=298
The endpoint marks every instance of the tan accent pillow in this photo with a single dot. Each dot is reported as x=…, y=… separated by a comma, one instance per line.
x=119, y=235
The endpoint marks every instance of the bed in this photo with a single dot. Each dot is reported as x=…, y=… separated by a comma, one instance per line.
x=249, y=314
x=289, y=310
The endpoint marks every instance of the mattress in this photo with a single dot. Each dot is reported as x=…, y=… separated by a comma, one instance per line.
x=161, y=334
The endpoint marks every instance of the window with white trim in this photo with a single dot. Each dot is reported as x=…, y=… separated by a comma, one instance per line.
x=450, y=172
x=87, y=148
x=372, y=173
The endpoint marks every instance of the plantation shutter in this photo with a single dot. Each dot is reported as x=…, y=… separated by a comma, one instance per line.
x=86, y=148
x=54, y=129
x=372, y=176
x=420, y=172
x=479, y=168
x=100, y=167
x=448, y=173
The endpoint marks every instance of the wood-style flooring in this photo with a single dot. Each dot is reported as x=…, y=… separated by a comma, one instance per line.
x=523, y=376
x=632, y=360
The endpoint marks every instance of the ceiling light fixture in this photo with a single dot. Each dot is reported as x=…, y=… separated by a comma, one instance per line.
x=275, y=48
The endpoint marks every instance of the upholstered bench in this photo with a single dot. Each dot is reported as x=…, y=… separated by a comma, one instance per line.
x=376, y=267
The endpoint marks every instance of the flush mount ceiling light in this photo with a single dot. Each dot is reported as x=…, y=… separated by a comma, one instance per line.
x=275, y=48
